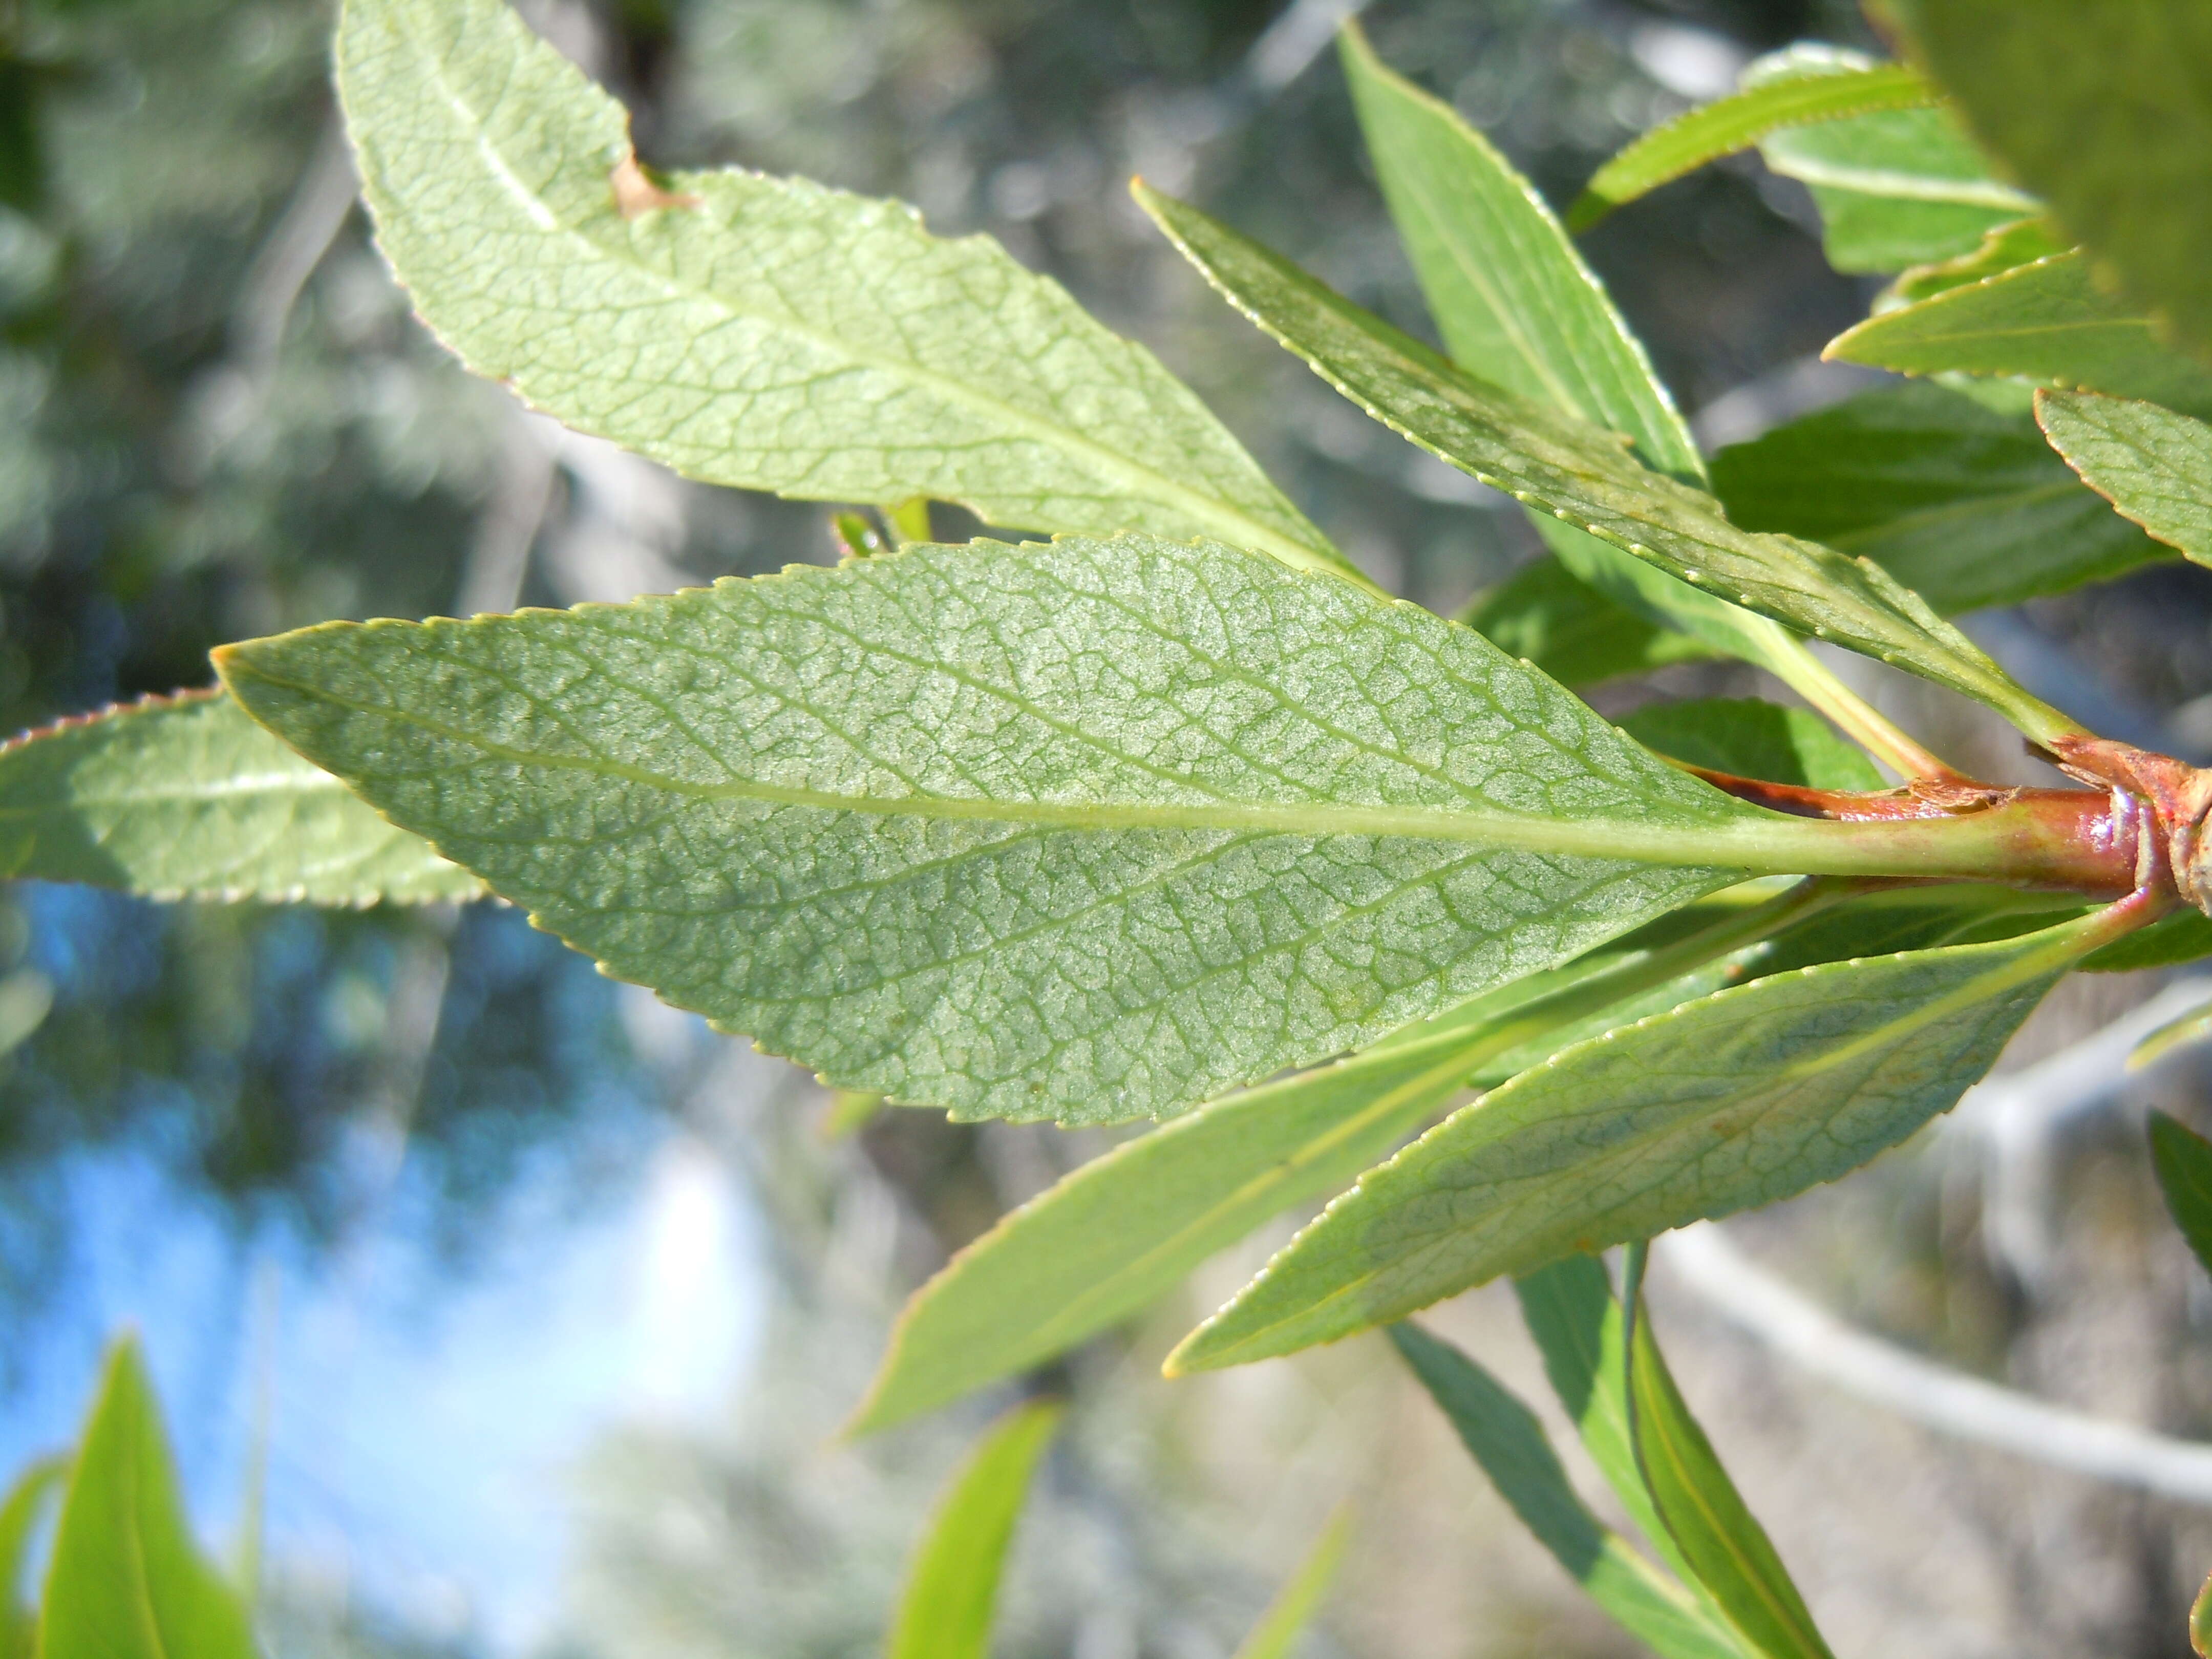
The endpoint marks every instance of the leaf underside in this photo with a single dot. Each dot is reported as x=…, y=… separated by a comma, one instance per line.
x=2044, y=322
x=1091, y=830
x=2153, y=466
x=1747, y=1096
x=187, y=798
x=770, y=333
x=1966, y=506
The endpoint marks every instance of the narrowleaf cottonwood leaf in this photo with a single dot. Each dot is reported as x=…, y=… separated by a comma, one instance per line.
x=1964, y=505
x=762, y=332
x=1726, y=1551
x=1279, y=1627
x=2105, y=110
x=1125, y=1228
x=2152, y=464
x=1091, y=830
x=1508, y=1441
x=2045, y=321
x=1547, y=615
x=1729, y=124
x=1519, y=309
x=186, y=796
x=126, y=1579
x=22, y=1511
x=1586, y=476
x=1894, y=187
x=1753, y=739
x=952, y=1583
x=2182, y=1159
x=1747, y=1096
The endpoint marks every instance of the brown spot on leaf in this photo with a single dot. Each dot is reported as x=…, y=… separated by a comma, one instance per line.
x=636, y=194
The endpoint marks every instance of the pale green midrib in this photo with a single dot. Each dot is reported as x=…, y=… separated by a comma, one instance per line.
x=1686, y=448
x=231, y=789
x=1905, y=187
x=1788, y=1618
x=1839, y=599
x=1757, y=840
x=2021, y=971
x=1140, y=479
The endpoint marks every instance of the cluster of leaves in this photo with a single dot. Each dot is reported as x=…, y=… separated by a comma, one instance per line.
x=1121, y=825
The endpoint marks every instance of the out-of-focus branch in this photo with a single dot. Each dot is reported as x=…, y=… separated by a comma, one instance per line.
x=2011, y=1124
x=1704, y=1259
x=296, y=245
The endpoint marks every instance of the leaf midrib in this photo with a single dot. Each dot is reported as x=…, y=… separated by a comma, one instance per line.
x=1140, y=478
x=1725, y=843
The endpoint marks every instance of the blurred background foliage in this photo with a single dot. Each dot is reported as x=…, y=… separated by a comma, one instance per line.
x=217, y=420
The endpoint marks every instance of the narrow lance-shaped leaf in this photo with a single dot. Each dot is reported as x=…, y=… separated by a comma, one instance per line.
x=1504, y=1437
x=1749, y=1095
x=1519, y=309
x=1577, y=1325
x=1547, y=616
x=1123, y=1229
x=1894, y=188
x=2182, y=1159
x=2045, y=322
x=1294, y=1607
x=952, y=1583
x=127, y=1580
x=1126, y=1228
x=1729, y=124
x=187, y=798
x=2153, y=466
x=1715, y=1530
x=2007, y=248
x=1586, y=477
x=2107, y=110
x=1966, y=506
x=20, y=1512
x=1092, y=830
x=760, y=332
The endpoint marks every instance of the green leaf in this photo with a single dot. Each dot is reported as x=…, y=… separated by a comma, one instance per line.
x=1519, y=309
x=2200, y=1621
x=1585, y=477
x=760, y=332
x=1551, y=618
x=1966, y=506
x=1293, y=1608
x=1748, y=1096
x=1092, y=830
x=127, y=1581
x=1912, y=152
x=2185, y=936
x=1508, y=1441
x=1727, y=1549
x=2182, y=1159
x=2107, y=112
x=1865, y=235
x=1894, y=188
x=186, y=798
x=1514, y=301
x=1722, y=128
x=20, y=1512
x=1576, y=1324
x=1753, y=739
x=2184, y=1031
x=2153, y=466
x=1121, y=1230
x=2008, y=246
x=2044, y=322
x=945, y=1611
